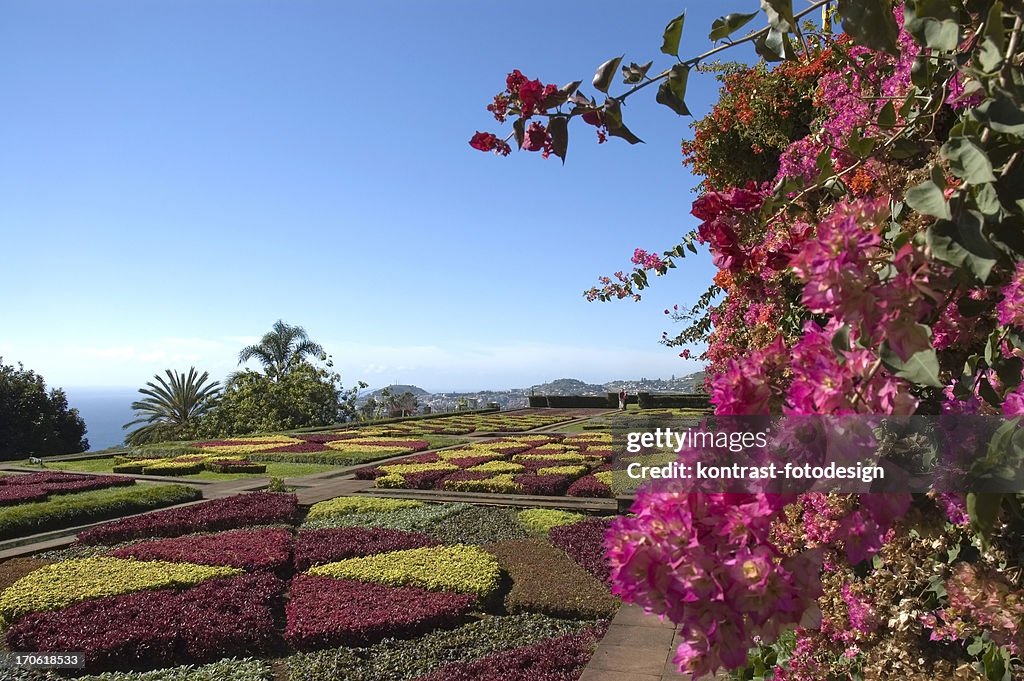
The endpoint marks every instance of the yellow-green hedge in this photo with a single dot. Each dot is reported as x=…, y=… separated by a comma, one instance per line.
x=404, y=468
x=540, y=520
x=343, y=505
x=465, y=569
x=61, y=584
x=574, y=471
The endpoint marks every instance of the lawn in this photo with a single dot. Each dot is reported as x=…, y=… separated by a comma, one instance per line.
x=274, y=469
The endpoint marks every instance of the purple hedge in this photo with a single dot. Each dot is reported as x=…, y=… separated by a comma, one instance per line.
x=252, y=508
x=543, y=485
x=267, y=549
x=589, y=486
x=584, y=542
x=220, y=618
x=314, y=547
x=554, y=659
x=322, y=611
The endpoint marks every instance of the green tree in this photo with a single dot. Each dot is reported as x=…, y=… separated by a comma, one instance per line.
x=304, y=396
x=281, y=349
x=172, y=408
x=34, y=421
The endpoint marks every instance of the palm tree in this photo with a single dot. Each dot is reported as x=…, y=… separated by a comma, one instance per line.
x=171, y=406
x=281, y=348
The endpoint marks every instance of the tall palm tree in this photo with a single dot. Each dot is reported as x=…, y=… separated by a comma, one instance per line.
x=171, y=405
x=280, y=348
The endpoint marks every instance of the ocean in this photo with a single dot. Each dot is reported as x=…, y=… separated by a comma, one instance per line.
x=104, y=410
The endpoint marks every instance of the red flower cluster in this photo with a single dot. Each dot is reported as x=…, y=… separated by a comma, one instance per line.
x=253, y=508
x=268, y=549
x=322, y=611
x=486, y=141
x=314, y=547
x=543, y=485
x=219, y=618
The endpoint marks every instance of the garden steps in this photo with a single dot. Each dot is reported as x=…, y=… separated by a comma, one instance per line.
x=571, y=503
x=637, y=647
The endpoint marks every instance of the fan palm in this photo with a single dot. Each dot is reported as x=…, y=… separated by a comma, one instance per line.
x=171, y=405
x=280, y=348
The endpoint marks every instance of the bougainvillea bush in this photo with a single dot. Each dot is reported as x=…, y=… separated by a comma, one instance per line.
x=861, y=200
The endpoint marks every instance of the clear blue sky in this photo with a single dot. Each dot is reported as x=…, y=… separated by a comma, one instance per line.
x=179, y=174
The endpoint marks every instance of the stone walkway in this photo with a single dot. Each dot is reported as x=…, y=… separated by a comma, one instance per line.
x=637, y=647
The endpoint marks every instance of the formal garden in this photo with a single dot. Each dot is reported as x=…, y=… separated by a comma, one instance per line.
x=861, y=198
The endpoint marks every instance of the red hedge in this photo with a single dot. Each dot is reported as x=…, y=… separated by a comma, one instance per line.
x=584, y=542
x=299, y=448
x=224, y=617
x=543, y=485
x=589, y=486
x=314, y=547
x=15, y=489
x=554, y=659
x=267, y=549
x=17, y=494
x=322, y=611
x=252, y=508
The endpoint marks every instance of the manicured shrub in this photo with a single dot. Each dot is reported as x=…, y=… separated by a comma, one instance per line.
x=132, y=467
x=498, y=467
x=58, y=585
x=84, y=507
x=547, y=581
x=503, y=483
x=413, y=519
x=13, y=569
x=228, y=616
x=251, y=508
x=308, y=447
x=540, y=520
x=590, y=486
x=17, y=494
x=424, y=480
x=345, y=505
x=231, y=669
x=558, y=659
x=479, y=525
x=474, y=460
x=261, y=549
x=173, y=467
x=571, y=471
x=460, y=568
x=315, y=547
x=537, y=455
x=399, y=660
x=543, y=485
x=235, y=466
x=324, y=611
x=406, y=468
x=584, y=543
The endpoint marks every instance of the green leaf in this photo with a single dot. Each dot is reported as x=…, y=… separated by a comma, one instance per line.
x=780, y=15
x=933, y=23
x=673, y=33
x=774, y=46
x=962, y=244
x=921, y=72
x=605, y=72
x=870, y=23
x=922, y=368
x=723, y=27
x=612, y=117
x=558, y=128
x=1008, y=233
x=673, y=89
x=1000, y=114
x=983, y=510
x=635, y=73
x=841, y=339
x=887, y=116
x=560, y=96
x=927, y=198
x=519, y=129
x=968, y=161
x=905, y=148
